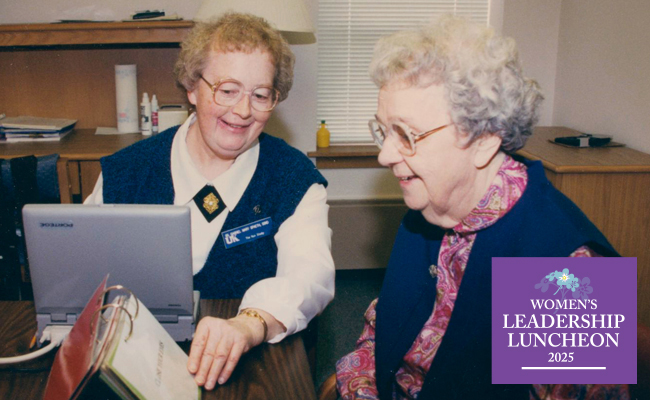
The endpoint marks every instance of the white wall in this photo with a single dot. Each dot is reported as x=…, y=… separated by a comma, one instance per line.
x=602, y=83
x=40, y=11
x=535, y=26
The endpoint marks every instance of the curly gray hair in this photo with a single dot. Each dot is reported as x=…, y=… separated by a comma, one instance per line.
x=234, y=32
x=481, y=73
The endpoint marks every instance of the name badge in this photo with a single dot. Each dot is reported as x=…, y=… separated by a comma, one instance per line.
x=247, y=233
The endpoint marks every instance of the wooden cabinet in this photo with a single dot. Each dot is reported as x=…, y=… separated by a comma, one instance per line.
x=612, y=187
x=68, y=71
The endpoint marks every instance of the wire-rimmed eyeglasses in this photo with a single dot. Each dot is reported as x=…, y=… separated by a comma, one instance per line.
x=406, y=137
x=228, y=92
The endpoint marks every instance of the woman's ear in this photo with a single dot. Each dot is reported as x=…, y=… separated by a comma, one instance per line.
x=487, y=146
x=192, y=95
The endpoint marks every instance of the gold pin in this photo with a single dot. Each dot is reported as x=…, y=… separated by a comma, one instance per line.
x=210, y=203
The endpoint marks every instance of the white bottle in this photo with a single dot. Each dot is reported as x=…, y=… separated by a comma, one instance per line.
x=154, y=115
x=145, y=115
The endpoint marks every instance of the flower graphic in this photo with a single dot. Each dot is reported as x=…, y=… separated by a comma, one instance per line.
x=566, y=281
x=564, y=278
x=544, y=283
x=552, y=275
x=584, y=290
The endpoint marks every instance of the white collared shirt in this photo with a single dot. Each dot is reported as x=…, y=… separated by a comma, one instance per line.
x=304, y=282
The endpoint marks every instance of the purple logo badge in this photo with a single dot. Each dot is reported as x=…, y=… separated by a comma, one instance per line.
x=564, y=320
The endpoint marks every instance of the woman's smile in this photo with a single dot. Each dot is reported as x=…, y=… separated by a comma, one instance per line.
x=405, y=179
x=235, y=128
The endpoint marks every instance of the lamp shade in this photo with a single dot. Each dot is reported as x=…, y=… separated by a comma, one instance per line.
x=283, y=15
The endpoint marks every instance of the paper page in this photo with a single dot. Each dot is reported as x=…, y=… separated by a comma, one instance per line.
x=13, y=138
x=108, y=130
x=29, y=122
x=150, y=362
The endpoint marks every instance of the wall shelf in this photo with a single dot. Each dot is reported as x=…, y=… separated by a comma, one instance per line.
x=66, y=70
x=57, y=34
x=340, y=156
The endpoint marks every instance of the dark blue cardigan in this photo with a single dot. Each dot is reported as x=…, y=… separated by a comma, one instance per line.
x=543, y=223
x=141, y=174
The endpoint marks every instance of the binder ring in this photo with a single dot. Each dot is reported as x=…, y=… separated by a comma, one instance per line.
x=116, y=306
x=120, y=287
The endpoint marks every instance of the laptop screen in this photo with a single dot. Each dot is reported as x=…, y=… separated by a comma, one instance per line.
x=145, y=248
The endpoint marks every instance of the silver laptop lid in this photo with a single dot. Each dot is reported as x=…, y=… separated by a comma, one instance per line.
x=146, y=248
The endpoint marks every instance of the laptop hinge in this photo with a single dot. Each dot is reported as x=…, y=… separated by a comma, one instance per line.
x=63, y=318
x=183, y=330
x=166, y=318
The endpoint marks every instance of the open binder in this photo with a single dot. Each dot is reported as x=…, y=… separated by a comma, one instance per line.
x=119, y=351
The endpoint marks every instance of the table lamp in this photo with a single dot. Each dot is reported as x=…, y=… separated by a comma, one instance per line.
x=284, y=15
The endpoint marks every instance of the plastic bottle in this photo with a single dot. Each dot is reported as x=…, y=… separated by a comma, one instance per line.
x=154, y=115
x=145, y=115
x=323, y=135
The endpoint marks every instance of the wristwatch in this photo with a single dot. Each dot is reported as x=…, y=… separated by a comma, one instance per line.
x=252, y=313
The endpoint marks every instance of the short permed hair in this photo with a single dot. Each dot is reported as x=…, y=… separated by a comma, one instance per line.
x=480, y=70
x=234, y=32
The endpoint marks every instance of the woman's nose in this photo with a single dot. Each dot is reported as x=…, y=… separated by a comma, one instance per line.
x=389, y=155
x=243, y=107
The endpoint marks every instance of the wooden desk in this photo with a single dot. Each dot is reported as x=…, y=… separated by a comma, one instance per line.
x=278, y=371
x=82, y=148
x=612, y=187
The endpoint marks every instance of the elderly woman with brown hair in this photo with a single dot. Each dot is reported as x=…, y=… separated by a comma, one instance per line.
x=453, y=106
x=258, y=206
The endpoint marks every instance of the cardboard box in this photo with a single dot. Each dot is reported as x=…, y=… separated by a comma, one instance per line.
x=171, y=115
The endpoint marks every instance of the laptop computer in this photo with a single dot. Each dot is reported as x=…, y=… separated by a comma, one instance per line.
x=145, y=248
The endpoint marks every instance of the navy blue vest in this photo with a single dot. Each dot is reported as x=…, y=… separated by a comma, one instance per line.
x=141, y=174
x=543, y=223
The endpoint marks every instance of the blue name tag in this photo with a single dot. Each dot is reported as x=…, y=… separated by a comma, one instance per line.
x=247, y=233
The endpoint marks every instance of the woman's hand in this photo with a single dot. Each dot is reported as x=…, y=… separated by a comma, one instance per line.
x=217, y=346
x=219, y=343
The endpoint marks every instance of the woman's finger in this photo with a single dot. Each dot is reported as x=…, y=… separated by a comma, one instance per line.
x=213, y=338
x=198, y=345
x=235, y=354
x=218, y=361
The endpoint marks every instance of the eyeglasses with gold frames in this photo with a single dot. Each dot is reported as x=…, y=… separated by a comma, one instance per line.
x=406, y=137
x=228, y=92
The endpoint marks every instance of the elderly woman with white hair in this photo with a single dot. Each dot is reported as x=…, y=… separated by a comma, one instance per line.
x=453, y=106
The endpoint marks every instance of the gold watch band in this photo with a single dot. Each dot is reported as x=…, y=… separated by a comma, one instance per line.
x=254, y=314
